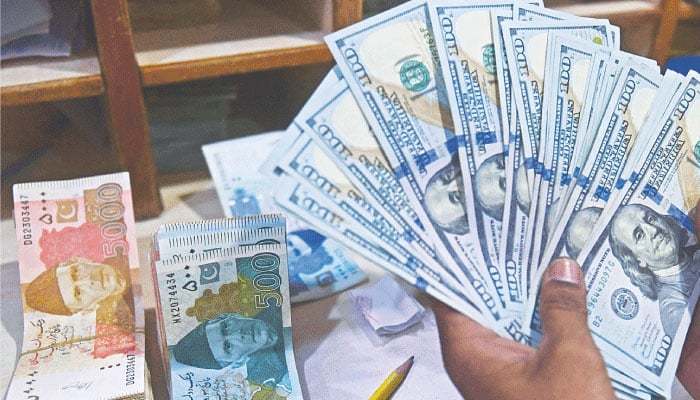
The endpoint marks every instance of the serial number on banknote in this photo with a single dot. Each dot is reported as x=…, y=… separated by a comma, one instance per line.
x=25, y=219
x=172, y=300
x=594, y=294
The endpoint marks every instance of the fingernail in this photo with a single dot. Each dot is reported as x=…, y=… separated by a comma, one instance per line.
x=564, y=270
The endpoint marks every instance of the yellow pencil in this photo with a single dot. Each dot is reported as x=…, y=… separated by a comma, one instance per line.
x=392, y=382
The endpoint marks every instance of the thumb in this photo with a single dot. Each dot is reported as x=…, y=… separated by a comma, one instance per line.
x=562, y=304
x=567, y=344
x=697, y=220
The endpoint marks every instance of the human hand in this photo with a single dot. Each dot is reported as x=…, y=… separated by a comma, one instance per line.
x=483, y=365
x=566, y=365
x=689, y=364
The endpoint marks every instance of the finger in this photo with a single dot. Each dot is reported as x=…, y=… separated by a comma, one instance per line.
x=562, y=303
x=689, y=362
x=697, y=220
x=454, y=324
x=461, y=336
x=474, y=356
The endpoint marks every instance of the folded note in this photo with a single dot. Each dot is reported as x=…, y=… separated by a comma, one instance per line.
x=387, y=307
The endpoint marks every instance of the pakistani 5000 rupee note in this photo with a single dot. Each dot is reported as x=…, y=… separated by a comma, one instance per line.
x=81, y=287
x=643, y=267
x=318, y=266
x=391, y=65
x=227, y=323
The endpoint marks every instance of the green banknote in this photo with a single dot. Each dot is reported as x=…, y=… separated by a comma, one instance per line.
x=226, y=325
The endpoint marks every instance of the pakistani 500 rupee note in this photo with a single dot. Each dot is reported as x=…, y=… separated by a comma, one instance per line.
x=227, y=323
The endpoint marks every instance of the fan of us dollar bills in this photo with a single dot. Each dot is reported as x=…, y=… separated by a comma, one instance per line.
x=462, y=145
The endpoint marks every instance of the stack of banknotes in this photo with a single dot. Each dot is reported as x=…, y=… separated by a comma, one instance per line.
x=318, y=266
x=81, y=291
x=223, y=308
x=462, y=145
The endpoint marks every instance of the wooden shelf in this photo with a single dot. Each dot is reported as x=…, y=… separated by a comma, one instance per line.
x=139, y=43
x=622, y=12
x=235, y=64
x=32, y=80
x=688, y=12
x=673, y=12
x=226, y=37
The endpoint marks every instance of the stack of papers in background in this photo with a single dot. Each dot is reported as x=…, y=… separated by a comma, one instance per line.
x=42, y=28
x=318, y=266
x=24, y=18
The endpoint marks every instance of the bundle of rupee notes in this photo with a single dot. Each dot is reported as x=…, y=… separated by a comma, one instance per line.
x=460, y=145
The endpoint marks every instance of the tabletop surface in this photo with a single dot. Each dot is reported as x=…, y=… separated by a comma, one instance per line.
x=337, y=354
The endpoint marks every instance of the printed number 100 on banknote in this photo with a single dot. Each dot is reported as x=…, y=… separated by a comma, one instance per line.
x=83, y=313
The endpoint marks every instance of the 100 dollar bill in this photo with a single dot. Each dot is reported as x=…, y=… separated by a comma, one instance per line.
x=526, y=45
x=318, y=266
x=566, y=86
x=616, y=136
x=305, y=161
x=303, y=200
x=614, y=140
x=643, y=269
x=333, y=120
x=465, y=45
x=391, y=65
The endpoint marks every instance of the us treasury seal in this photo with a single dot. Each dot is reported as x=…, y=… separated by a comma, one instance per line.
x=415, y=76
x=624, y=303
x=488, y=55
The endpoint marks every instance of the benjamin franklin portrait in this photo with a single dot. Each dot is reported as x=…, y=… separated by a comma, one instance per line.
x=654, y=252
x=444, y=199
